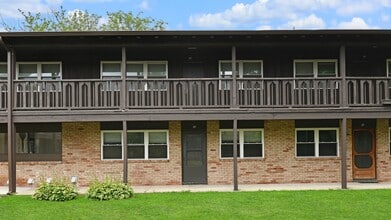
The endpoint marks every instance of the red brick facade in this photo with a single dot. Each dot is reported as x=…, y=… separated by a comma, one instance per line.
x=81, y=157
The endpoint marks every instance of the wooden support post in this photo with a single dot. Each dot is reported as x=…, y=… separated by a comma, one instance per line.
x=344, y=104
x=343, y=154
x=235, y=121
x=234, y=86
x=123, y=77
x=125, y=151
x=10, y=124
x=342, y=72
x=235, y=152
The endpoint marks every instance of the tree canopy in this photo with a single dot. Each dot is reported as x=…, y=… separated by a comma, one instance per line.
x=59, y=20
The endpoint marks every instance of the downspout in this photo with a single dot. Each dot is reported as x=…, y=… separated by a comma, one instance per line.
x=10, y=123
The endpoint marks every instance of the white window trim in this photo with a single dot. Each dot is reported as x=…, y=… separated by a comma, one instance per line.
x=39, y=68
x=146, y=142
x=316, y=139
x=388, y=61
x=241, y=143
x=144, y=63
x=315, y=66
x=240, y=64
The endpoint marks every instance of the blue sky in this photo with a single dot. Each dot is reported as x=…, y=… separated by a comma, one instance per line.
x=228, y=14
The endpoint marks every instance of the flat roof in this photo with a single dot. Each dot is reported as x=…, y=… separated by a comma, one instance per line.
x=198, y=32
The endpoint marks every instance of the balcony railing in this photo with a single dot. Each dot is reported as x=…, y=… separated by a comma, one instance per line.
x=197, y=93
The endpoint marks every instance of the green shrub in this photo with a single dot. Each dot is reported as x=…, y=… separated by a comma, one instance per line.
x=55, y=191
x=109, y=190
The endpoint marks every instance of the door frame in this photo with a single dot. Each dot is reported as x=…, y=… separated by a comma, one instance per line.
x=373, y=152
x=188, y=127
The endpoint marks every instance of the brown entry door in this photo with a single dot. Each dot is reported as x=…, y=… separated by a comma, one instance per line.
x=194, y=155
x=364, y=160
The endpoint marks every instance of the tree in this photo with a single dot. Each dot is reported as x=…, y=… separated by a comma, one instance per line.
x=78, y=20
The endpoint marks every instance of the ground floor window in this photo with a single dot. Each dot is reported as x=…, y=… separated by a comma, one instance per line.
x=317, y=142
x=151, y=144
x=250, y=143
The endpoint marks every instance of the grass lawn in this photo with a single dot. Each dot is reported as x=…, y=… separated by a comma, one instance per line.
x=328, y=204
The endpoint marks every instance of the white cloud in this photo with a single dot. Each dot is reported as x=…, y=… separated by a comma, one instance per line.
x=264, y=27
x=261, y=11
x=310, y=22
x=144, y=5
x=273, y=13
x=355, y=23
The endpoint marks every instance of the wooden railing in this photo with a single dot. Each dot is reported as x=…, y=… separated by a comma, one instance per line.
x=196, y=93
x=67, y=94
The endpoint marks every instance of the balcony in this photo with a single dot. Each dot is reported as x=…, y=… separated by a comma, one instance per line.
x=208, y=93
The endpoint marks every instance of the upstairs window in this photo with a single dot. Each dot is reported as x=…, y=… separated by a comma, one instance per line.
x=388, y=67
x=38, y=71
x=3, y=71
x=135, y=70
x=317, y=142
x=245, y=69
x=315, y=68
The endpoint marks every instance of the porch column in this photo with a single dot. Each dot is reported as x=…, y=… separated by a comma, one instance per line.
x=10, y=124
x=235, y=152
x=344, y=104
x=125, y=151
x=343, y=154
x=124, y=125
x=235, y=121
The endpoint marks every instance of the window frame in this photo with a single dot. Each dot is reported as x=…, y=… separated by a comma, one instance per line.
x=316, y=141
x=146, y=144
x=240, y=67
x=315, y=63
x=145, y=69
x=241, y=143
x=39, y=69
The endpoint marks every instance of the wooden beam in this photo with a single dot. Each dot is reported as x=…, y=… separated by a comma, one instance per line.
x=196, y=114
x=125, y=151
x=343, y=154
x=235, y=156
x=10, y=124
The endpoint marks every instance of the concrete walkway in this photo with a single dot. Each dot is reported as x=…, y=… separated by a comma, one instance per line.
x=227, y=188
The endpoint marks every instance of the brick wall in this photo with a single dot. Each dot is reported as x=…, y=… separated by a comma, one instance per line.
x=279, y=164
x=161, y=172
x=383, y=151
x=81, y=155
